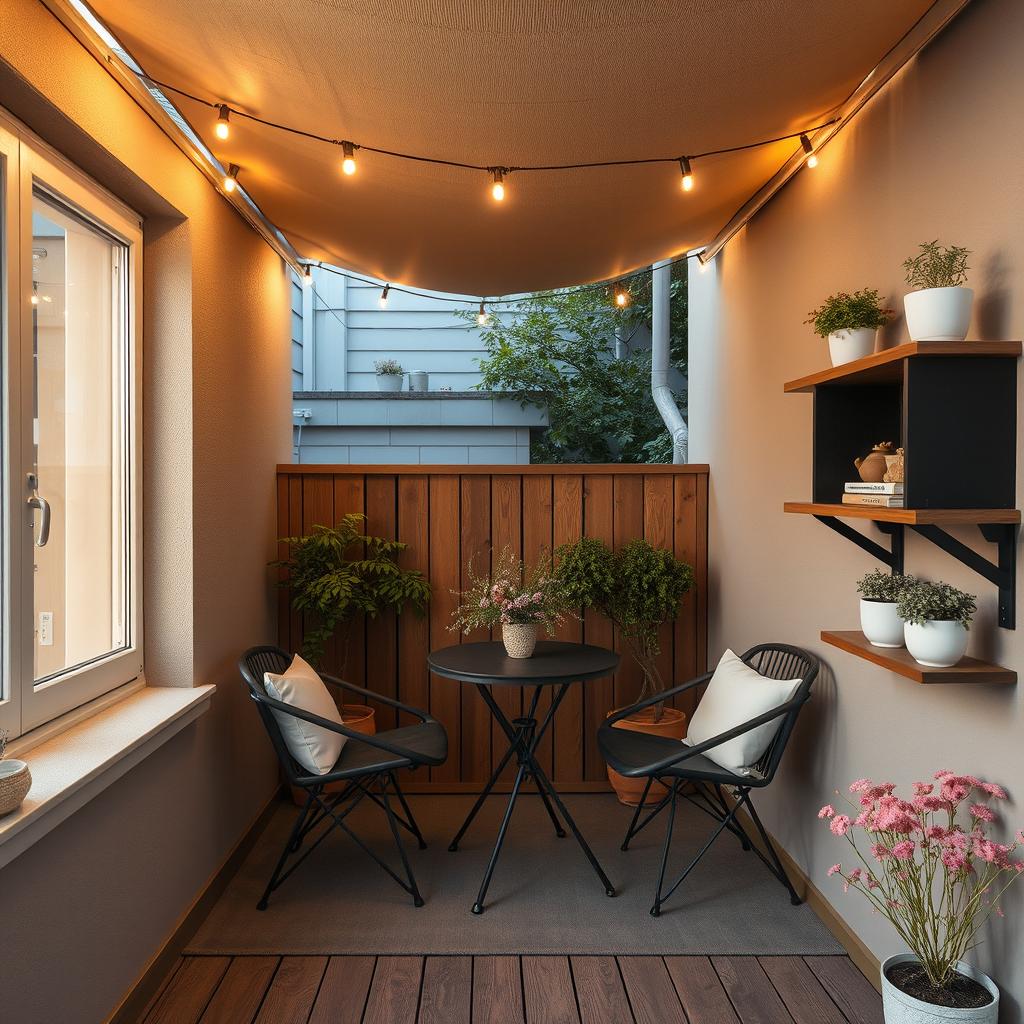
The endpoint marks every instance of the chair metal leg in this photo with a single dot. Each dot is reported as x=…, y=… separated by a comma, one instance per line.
x=410, y=821
x=632, y=830
x=295, y=834
x=478, y=907
x=413, y=889
x=656, y=908
x=779, y=871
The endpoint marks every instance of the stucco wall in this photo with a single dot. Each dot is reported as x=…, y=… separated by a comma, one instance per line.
x=87, y=906
x=938, y=154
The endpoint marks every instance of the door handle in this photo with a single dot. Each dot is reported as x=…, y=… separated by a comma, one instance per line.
x=36, y=500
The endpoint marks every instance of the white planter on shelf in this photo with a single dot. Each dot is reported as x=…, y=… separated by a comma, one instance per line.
x=519, y=639
x=880, y=623
x=936, y=644
x=418, y=380
x=389, y=381
x=938, y=314
x=846, y=346
x=900, y=1008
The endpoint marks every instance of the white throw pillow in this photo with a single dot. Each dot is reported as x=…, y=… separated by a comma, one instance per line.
x=315, y=748
x=736, y=694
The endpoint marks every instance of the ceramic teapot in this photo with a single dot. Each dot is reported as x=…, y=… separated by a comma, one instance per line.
x=872, y=466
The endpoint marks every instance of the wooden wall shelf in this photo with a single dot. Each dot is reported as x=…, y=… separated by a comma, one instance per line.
x=899, y=660
x=908, y=516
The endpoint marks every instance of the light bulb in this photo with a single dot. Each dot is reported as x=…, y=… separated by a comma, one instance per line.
x=621, y=296
x=307, y=277
x=222, y=129
x=383, y=300
x=482, y=317
x=35, y=299
x=231, y=178
x=684, y=167
x=348, y=163
x=805, y=144
x=497, y=184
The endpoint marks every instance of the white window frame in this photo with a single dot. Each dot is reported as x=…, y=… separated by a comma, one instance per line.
x=27, y=163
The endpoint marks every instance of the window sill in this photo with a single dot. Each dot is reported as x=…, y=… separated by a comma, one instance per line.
x=72, y=768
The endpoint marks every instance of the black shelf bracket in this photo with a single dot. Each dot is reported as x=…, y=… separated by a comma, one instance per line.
x=1003, y=573
x=891, y=556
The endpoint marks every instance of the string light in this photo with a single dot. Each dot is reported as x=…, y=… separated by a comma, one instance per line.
x=497, y=183
x=812, y=157
x=684, y=167
x=348, y=162
x=231, y=178
x=482, y=317
x=35, y=294
x=307, y=277
x=383, y=300
x=621, y=295
x=222, y=129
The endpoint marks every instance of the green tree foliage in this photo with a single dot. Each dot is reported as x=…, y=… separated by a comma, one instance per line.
x=556, y=350
x=338, y=572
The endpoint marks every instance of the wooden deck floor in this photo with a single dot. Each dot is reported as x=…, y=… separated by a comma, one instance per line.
x=523, y=990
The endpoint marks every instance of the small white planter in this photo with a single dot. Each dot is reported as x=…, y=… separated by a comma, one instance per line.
x=418, y=380
x=938, y=314
x=389, y=381
x=845, y=346
x=899, y=1008
x=519, y=639
x=880, y=623
x=936, y=644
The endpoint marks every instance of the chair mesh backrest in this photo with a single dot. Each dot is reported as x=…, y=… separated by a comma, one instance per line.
x=780, y=661
x=253, y=664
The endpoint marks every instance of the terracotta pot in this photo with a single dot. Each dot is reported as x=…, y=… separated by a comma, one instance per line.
x=673, y=725
x=357, y=717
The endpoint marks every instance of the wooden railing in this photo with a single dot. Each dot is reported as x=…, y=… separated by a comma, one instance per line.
x=449, y=514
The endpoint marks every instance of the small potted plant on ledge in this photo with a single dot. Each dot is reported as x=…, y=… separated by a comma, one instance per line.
x=850, y=323
x=639, y=588
x=940, y=307
x=933, y=872
x=879, y=596
x=513, y=596
x=15, y=780
x=936, y=618
x=389, y=374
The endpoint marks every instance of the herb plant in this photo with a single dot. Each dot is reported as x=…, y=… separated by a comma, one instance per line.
x=922, y=602
x=511, y=594
x=846, y=312
x=881, y=586
x=937, y=266
x=639, y=588
x=338, y=572
x=388, y=368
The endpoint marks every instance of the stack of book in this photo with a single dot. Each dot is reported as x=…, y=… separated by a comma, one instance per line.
x=882, y=495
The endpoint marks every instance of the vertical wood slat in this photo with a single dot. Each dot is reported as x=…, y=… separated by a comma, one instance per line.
x=447, y=517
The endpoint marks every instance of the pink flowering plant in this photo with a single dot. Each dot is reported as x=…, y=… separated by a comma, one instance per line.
x=511, y=594
x=929, y=866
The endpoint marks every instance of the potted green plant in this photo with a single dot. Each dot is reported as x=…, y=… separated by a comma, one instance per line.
x=638, y=588
x=850, y=322
x=928, y=865
x=940, y=307
x=516, y=597
x=879, y=597
x=936, y=618
x=389, y=374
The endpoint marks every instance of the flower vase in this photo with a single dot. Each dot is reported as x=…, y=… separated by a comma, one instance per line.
x=901, y=1008
x=519, y=638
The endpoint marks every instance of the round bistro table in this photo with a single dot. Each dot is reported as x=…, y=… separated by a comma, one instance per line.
x=554, y=663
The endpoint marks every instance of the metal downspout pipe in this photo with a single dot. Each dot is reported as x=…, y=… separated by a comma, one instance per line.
x=660, y=390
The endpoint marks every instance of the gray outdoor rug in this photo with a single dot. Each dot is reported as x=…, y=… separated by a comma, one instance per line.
x=544, y=897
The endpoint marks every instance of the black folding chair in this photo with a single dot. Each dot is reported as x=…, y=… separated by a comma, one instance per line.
x=675, y=765
x=367, y=765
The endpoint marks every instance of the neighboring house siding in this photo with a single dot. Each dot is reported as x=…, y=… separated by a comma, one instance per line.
x=296, y=301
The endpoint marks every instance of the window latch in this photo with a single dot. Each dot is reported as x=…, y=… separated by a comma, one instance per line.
x=36, y=500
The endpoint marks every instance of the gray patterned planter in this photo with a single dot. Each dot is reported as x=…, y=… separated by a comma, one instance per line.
x=903, y=1009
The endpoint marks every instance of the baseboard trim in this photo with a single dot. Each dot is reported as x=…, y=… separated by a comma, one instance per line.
x=867, y=963
x=146, y=986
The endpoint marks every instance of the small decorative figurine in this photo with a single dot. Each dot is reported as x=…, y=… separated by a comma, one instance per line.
x=894, y=468
x=872, y=467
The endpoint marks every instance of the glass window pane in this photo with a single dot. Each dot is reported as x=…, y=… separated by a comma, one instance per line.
x=79, y=440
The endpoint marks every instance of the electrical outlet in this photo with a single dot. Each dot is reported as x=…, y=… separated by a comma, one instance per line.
x=46, y=629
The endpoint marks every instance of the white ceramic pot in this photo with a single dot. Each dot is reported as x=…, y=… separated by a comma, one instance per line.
x=389, y=381
x=418, y=380
x=519, y=639
x=938, y=314
x=845, y=346
x=937, y=644
x=899, y=1008
x=880, y=623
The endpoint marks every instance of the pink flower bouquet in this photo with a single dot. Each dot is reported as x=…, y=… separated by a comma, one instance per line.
x=930, y=866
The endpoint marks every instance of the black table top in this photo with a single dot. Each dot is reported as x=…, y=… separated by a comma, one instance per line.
x=553, y=661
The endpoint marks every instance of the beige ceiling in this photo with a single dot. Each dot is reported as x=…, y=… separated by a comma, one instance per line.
x=506, y=82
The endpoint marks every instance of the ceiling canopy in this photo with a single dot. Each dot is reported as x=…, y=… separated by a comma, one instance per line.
x=507, y=83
